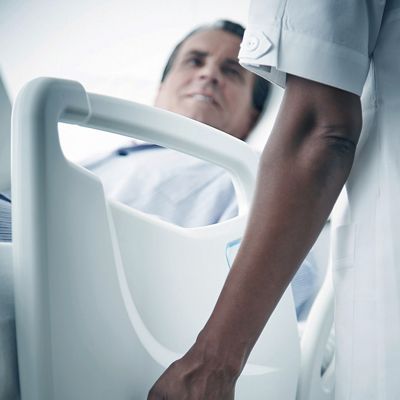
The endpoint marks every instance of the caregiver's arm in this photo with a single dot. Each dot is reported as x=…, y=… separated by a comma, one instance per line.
x=302, y=170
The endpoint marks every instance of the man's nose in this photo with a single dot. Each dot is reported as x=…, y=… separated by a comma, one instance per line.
x=210, y=73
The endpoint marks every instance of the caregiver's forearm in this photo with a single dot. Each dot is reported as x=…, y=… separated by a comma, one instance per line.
x=302, y=170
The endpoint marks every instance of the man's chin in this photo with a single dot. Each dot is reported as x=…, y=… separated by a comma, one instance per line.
x=203, y=118
x=208, y=122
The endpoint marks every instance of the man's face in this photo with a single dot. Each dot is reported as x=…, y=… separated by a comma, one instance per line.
x=206, y=83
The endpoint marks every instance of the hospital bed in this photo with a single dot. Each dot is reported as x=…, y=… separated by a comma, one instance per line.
x=106, y=296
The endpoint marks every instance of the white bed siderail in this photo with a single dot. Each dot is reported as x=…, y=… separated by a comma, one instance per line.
x=106, y=296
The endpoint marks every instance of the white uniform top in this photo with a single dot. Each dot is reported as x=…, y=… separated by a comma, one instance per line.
x=339, y=43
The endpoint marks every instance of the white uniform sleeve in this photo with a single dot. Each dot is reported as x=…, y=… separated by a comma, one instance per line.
x=327, y=41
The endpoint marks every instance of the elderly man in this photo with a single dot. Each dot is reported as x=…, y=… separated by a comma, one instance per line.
x=203, y=81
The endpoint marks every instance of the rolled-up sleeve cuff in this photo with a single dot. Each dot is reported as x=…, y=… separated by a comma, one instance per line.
x=272, y=53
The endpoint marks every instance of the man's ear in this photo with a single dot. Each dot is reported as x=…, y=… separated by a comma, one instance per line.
x=254, y=117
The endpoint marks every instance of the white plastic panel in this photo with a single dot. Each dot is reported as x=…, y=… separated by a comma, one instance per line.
x=106, y=296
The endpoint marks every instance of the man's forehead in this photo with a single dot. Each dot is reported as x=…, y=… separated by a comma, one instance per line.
x=212, y=42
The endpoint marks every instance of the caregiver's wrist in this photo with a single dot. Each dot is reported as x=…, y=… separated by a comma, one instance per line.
x=223, y=353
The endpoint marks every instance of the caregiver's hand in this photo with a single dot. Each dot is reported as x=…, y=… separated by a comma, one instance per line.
x=195, y=376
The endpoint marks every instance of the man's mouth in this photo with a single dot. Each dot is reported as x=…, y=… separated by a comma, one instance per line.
x=203, y=98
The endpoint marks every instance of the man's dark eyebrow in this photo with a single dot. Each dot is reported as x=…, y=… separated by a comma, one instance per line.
x=202, y=54
x=197, y=53
x=233, y=61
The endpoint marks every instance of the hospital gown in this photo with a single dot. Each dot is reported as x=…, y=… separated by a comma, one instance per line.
x=173, y=186
x=354, y=46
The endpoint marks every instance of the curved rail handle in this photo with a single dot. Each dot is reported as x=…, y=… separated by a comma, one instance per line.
x=173, y=131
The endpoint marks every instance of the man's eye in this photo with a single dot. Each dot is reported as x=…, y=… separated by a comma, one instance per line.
x=233, y=72
x=195, y=61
